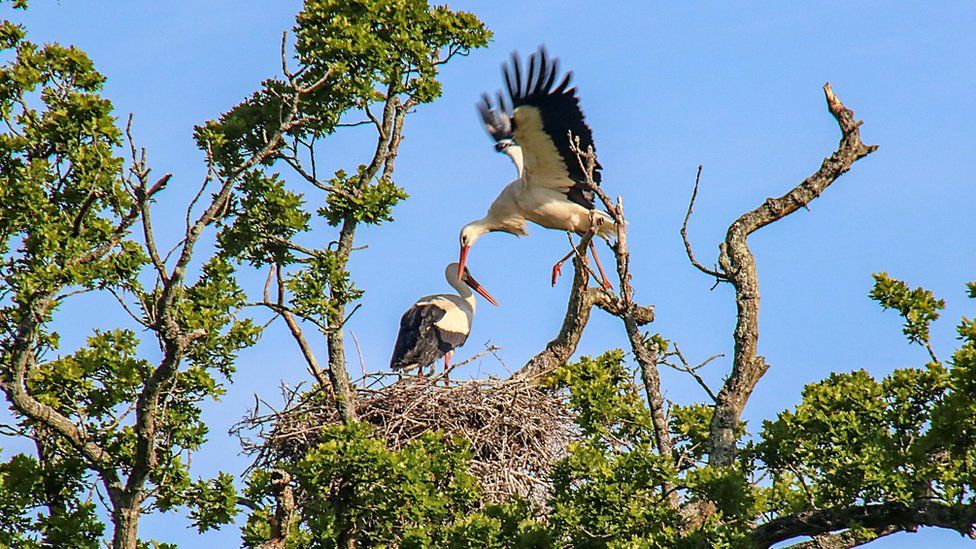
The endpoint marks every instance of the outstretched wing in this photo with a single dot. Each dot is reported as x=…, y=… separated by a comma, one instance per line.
x=497, y=121
x=545, y=113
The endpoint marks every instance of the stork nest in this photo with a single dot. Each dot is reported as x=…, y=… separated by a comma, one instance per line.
x=515, y=430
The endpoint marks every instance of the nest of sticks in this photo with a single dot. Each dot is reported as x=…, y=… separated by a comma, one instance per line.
x=515, y=430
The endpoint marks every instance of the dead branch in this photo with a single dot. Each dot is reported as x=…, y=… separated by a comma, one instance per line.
x=684, y=234
x=692, y=370
x=739, y=265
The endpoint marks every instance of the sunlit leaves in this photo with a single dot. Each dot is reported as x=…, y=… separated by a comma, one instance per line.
x=244, y=130
x=689, y=430
x=266, y=216
x=604, y=398
x=371, y=204
x=39, y=506
x=918, y=307
x=609, y=486
x=214, y=502
x=351, y=477
x=853, y=438
x=321, y=286
x=396, y=43
x=208, y=315
x=96, y=379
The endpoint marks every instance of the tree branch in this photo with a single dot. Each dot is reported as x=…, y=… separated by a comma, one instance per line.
x=739, y=266
x=684, y=234
x=296, y=332
x=846, y=539
x=881, y=517
x=562, y=347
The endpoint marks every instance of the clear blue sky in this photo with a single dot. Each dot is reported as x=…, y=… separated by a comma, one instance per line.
x=665, y=86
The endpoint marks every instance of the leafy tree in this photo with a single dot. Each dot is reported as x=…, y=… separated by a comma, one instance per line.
x=857, y=459
x=104, y=413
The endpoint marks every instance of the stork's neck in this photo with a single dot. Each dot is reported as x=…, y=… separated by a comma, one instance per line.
x=515, y=153
x=464, y=291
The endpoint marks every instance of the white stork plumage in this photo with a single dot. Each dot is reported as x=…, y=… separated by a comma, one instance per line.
x=437, y=324
x=532, y=127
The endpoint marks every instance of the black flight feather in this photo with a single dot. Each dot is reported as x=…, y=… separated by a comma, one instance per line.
x=559, y=108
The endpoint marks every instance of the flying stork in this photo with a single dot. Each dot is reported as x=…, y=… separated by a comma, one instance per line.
x=532, y=127
x=437, y=324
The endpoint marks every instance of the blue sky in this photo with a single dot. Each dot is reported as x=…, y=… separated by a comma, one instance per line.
x=665, y=86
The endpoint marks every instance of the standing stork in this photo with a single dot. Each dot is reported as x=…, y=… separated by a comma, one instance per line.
x=437, y=324
x=532, y=127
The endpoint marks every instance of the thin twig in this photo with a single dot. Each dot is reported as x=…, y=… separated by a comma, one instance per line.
x=684, y=234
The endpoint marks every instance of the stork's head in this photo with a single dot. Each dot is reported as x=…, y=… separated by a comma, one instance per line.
x=456, y=274
x=470, y=234
x=511, y=149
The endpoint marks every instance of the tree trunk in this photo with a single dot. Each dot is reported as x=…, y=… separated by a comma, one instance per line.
x=338, y=375
x=126, y=521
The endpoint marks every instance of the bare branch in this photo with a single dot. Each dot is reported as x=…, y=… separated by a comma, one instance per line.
x=739, y=265
x=489, y=350
x=562, y=347
x=693, y=371
x=684, y=234
x=884, y=518
x=296, y=331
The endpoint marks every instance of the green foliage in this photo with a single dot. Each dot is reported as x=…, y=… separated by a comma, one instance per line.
x=606, y=402
x=509, y=525
x=61, y=197
x=919, y=307
x=95, y=379
x=63, y=210
x=65, y=214
x=607, y=491
x=208, y=312
x=214, y=502
x=348, y=199
x=392, y=43
x=265, y=216
x=689, y=430
x=39, y=506
x=953, y=419
x=737, y=504
x=420, y=495
x=243, y=131
x=321, y=287
x=852, y=438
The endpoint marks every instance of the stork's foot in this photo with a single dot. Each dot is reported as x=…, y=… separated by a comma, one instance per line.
x=603, y=275
x=557, y=270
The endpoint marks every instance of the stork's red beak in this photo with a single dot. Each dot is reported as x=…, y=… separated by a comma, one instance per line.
x=462, y=261
x=470, y=281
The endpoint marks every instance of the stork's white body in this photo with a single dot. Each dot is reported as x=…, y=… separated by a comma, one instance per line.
x=526, y=199
x=458, y=309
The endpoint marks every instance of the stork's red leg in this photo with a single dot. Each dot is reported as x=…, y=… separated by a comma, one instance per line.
x=557, y=269
x=447, y=366
x=603, y=275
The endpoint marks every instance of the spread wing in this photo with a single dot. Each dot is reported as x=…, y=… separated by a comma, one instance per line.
x=544, y=113
x=497, y=122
